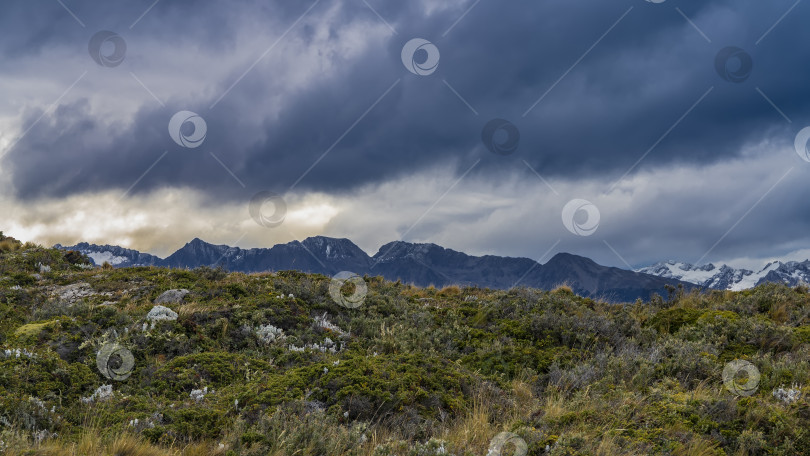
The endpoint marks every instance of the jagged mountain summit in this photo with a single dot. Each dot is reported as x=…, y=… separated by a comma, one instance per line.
x=113, y=254
x=418, y=264
x=725, y=277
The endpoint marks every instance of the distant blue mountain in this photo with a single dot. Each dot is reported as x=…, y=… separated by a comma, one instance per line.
x=418, y=264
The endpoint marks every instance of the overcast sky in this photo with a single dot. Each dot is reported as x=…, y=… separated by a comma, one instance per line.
x=627, y=131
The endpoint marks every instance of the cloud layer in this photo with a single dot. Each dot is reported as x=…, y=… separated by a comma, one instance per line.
x=620, y=103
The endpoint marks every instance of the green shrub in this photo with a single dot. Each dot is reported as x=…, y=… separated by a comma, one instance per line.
x=671, y=320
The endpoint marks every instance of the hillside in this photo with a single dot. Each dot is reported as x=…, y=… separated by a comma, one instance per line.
x=157, y=361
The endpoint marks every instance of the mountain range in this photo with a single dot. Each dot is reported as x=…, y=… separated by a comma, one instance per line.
x=725, y=277
x=418, y=264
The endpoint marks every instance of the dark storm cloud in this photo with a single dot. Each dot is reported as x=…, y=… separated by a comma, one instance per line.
x=501, y=58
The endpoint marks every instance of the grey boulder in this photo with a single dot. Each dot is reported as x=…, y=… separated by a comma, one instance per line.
x=172, y=296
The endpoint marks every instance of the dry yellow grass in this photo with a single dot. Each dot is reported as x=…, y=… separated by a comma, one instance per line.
x=554, y=406
x=608, y=446
x=191, y=308
x=698, y=447
x=563, y=288
x=522, y=390
x=9, y=244
x=474, y=430
x=450, y=290
x=779, y=312
x=91, y=444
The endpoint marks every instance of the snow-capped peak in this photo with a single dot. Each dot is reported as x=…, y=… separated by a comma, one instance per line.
x=728, y=278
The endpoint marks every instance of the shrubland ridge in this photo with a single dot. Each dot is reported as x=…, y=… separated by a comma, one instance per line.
x=256, y=364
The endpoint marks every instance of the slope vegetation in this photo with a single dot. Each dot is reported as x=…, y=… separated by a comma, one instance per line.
x=102, y=361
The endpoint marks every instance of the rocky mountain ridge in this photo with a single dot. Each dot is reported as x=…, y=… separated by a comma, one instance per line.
x=725, y=277
x=418, y=264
